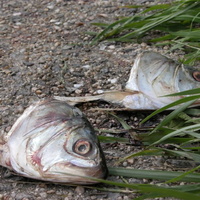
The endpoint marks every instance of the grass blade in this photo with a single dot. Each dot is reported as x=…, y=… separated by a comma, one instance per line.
x=142, y=153
x=178, y=132
x=179, y=178
x=122, y=122
x=173, y=115
x=153, y=174
x=186, y=92
x=106, y=139
x=178, y=102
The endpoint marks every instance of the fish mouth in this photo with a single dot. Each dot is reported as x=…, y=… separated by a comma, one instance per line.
x=70, y=173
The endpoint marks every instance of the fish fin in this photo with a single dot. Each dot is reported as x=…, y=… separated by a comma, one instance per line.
x=117, y=96
x=108, y=96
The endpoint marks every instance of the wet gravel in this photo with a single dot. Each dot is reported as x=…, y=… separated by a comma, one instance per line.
x=45, y=51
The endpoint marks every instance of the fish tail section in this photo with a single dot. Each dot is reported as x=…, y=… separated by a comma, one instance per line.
x=108, y=96
x=76, y=100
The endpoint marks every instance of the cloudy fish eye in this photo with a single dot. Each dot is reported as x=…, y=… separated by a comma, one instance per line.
x=196, y=75
x=82, y=147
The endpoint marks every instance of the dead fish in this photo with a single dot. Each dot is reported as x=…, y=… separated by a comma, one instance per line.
x=152, y=77
x=53, y=141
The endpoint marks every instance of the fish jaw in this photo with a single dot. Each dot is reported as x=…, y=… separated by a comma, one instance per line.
x=76, y=174
x=52, y=140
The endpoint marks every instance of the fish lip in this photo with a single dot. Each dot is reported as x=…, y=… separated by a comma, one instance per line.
x=86, y=175
x=99, y=171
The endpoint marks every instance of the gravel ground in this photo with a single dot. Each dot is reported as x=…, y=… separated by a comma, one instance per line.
x=45, y=52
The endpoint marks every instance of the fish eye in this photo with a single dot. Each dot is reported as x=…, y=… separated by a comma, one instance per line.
x=82, y=147
x=196, y=75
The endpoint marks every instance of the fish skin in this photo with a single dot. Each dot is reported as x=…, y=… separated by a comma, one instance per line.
x=152, y=76
x=53, y=141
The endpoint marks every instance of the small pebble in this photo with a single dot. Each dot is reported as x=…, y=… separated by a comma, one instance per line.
x=78, y=85
x=78, y=91
x=86, y=66
x=125, y=164
x=19, y=109
x=130, y=160
x=111, y=47
x=99, y=91
x=51, y=191
x=102, y=47
x=93, y=197
x=80, y=190
x=17, y=14
x=43, y=195
x=114, y=80
x=38, y=92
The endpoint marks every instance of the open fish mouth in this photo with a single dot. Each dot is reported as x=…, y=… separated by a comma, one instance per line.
x=54, y=141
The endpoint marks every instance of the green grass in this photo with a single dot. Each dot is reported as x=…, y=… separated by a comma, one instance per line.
x=181, y=130
x=175, y=24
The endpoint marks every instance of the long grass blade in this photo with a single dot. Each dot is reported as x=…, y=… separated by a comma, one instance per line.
x=178, y=132
x=179, y=178
x=153, y=174
x=106, y=139
x=178, y=102
x=122, y=122
x=142, y=153
x=186, y=92
x=172, y=115
x=193, y=156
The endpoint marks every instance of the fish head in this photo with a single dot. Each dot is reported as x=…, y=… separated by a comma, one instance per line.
x=153, y=76
x=156, y=75
x=55, y=142
x=73, y=157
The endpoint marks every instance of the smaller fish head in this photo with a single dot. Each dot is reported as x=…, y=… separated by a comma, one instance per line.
x=189, y=78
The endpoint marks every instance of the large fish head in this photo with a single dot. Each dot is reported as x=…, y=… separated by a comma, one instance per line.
x=73, y=156
x=54, y=141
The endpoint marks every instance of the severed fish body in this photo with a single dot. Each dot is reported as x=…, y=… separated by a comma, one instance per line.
x=152, y=77
x=53, y=141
